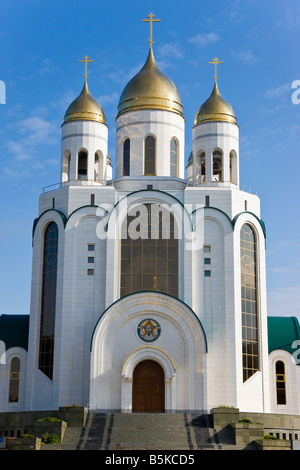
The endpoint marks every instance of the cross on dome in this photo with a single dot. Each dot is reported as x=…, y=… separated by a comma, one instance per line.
x=86, y=60
x=151, y=20
x=216, y=61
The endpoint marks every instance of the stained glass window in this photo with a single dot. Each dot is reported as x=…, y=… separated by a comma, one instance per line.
x=280, y=383
x=249, y=302
x=46, y=352
x=126, y=158
x=149, y=253
x=173, y=158
x=14, y=380
x=149, y=155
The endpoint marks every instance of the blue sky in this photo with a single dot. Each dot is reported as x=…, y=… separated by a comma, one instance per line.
x=258, y=42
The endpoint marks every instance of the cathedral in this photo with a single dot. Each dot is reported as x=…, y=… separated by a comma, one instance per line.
x=148, y=285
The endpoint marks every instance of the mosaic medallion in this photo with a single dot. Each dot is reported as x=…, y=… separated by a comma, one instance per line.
x=148, y=330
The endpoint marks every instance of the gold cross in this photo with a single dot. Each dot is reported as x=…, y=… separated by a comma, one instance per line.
x=216, y=61
x=86, y=60
x=151, y=20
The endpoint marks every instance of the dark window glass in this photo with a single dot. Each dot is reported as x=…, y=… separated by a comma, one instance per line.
x=149, y=155
x=90, y=259
x=90, y=272
x=173, y=158
x=217, y=166
x=46, y=351
x=149, y=262
x=126, y=158
x=14, y=380
x=82, y=165
x=91, y=247
x=280, y=383
x=206, y=260
x=207, y=273
x=249, y=302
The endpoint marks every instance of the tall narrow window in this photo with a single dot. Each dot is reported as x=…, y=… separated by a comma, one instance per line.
x=233, y=167
x=249, y=302
x=173, y=158
x=98, y=166
x=82, y=165
x=46, y=351
x=149, y=251
x=202, y=166
x=14, y=380
x=149, y=156
x=126, y=157
x=66, y=175
x=217, y=166
x=280, y=383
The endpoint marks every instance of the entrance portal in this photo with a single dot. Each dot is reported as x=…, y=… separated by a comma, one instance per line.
x=148, y=388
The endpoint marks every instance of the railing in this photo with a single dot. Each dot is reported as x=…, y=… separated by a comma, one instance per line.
x=53, y=187
x=222, y=184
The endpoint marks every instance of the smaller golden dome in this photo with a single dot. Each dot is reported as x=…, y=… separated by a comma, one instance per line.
x=215, y=109
x=85, y=107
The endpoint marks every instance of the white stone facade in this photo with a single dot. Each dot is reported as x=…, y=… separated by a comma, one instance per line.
x=96, y=344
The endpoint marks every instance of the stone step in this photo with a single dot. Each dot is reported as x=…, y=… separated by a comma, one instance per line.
x=142, y=431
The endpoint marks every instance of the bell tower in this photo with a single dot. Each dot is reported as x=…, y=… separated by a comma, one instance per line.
x=150, y=124
x=84, y=147
x=215, y=141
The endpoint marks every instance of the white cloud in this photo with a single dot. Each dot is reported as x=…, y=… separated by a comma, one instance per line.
x=37, y=130
x=204, y=39
x=28, y=137
x=284, y=301
x=246, y=56
x=110, y=98
x=47, y=68
x=279, y=91
x=170, y=50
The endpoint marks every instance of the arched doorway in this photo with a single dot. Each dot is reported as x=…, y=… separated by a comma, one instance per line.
x=148, y=388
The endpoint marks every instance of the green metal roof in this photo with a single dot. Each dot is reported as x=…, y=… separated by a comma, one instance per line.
x=282, y=332
x=14, y=330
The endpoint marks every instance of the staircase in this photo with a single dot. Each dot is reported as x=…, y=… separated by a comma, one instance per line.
x=146, y=431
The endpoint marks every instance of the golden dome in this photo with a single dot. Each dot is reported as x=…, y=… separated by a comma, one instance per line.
x=215, y=109
x=85, y=107
x=150, y=89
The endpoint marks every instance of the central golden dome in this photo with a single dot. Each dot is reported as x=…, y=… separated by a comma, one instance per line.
x=215, y=109
x=150, y=89
x=85, y=107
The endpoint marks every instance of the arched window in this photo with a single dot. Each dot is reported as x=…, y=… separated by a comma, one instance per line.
x=217, y=166
x=233, y=167
x=126, y=157
x=66, y=166
x=82, y=165
x=149, y=168
x=173, y=158
x=249, y=302
x=46, y=351
x=14, y=380
x=280, y=383
x=202, y=167
x=98, y=166
x=149, y=251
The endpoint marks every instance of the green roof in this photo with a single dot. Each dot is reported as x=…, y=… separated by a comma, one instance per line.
x=282, y=332
x=14, y=330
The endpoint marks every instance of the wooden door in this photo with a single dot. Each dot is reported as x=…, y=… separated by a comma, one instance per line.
x=148, y=388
